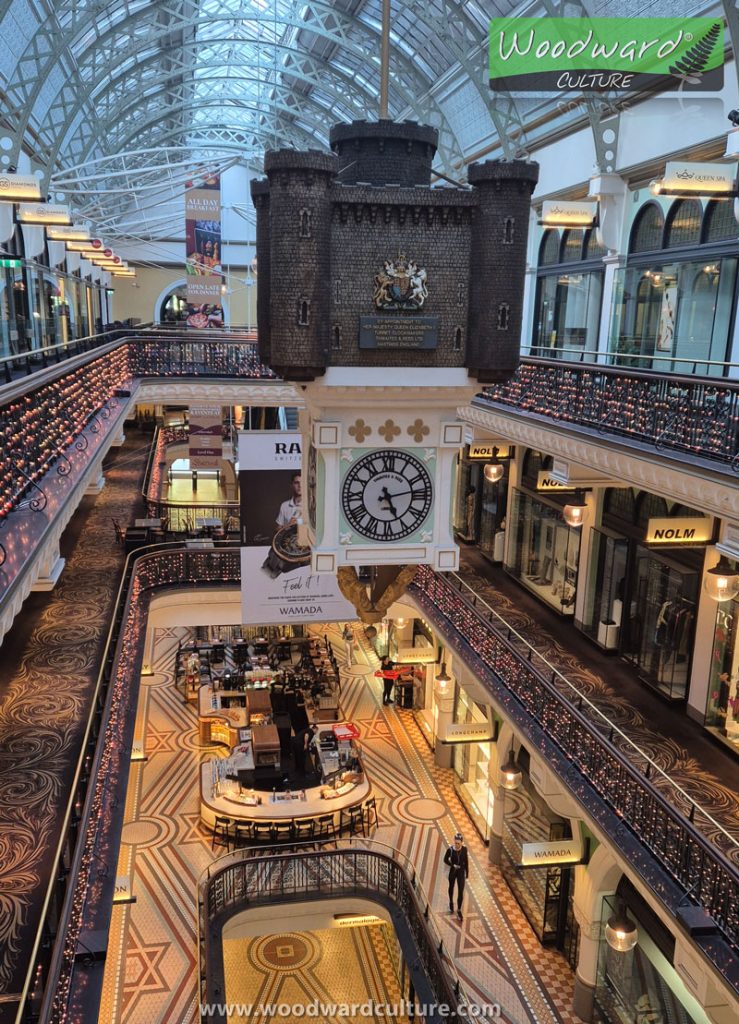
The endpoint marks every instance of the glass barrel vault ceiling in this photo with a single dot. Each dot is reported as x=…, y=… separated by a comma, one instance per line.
x=112, y=100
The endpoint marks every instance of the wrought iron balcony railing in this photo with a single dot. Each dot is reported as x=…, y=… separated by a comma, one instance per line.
x=691, y=415
x=356, y=868
x=663, y=832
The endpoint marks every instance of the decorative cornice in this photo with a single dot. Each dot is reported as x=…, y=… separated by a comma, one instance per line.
x=651, y=471
x=233, y=392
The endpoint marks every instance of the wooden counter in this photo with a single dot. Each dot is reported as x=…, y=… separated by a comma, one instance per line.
x=217, y=724
x=229, y=805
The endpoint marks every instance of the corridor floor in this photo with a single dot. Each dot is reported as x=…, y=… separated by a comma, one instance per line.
x=151, y=969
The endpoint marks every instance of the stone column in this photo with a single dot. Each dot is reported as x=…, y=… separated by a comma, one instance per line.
x=586, y=975
x=495, y=849
x=444, y=703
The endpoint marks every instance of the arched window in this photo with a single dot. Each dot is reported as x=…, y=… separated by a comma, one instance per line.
x=650, y=506
x=684, y=223
x=504, y=316
x=337, y=336
x=572, y=241
x=619, y=502
x=303, y=312
x=549, y=248
x=458, y=339
x=719, y=221
x=648, y=229
x=508, y=225
x=593, y=249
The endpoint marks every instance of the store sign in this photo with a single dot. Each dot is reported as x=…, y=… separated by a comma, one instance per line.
x=697, y=179
x=558, y=213
x=470, y=732
x=67, y=233
x=481, y=450
x=16, y=188
x=277, y=585
x=679, y=530
x=356, y=920
x=561, y=851
x=43, y=213
x=546, y=482
x=416, y=655
x=206, y=436
x=122, y=892
x=545, y=54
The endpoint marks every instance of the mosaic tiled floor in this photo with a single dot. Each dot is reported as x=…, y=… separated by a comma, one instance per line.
x=46, y=681
x=719, y=800
x=325, y=967
x=151, y=972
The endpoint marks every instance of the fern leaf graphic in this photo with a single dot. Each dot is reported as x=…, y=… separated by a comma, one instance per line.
x=693, y=63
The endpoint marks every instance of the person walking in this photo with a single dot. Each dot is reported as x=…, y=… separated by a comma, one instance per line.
x=459, y=868
x=348, y=637
x=389, y=675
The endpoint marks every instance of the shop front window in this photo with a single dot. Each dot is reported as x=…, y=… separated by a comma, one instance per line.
x=604, y=599
x=641, y=986
x=544, y=552
x=469, y=475
x=472, y=767
x=722, y=708
x=660, y=626
x=493, y=516
x=568, y=301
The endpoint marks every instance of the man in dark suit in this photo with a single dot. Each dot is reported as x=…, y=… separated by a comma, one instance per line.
x=459, y=868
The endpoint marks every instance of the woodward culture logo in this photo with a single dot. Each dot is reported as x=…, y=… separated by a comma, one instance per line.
x=606, y=54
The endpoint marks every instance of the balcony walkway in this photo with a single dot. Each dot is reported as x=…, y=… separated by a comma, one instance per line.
x=48, y=672
x=681, y=747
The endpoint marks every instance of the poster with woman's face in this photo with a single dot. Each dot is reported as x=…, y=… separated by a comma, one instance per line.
x=666, y=330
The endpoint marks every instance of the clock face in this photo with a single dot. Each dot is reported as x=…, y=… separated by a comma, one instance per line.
x=387, y=495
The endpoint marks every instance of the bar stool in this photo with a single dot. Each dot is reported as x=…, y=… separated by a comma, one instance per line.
x=282, y=831
x=263, y=831
x=369, y=810
x=304, y=830
x=243, y=833
x=352, y=820
x=221, y=832
x=325, y=827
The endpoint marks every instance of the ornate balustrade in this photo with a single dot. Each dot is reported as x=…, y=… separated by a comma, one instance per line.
x=695, y=415
x=654, y=822
x=355, y=868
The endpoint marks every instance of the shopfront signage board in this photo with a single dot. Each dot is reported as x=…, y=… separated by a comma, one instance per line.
x=697, y=178
x=561, y=851
x=67, y=233
x=546, y=482
x=122, y=892
x=205, y=436
x=568, y=214
x=277, y=584
x=16, y=188
x=680, y=530
x=416, y=655
x=43, y=213
x=470, y=732
x=480, y=450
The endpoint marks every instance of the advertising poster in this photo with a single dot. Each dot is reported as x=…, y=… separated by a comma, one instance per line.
x=206, y=437
x=666, y=331
x=203, y=252
x=277, y=584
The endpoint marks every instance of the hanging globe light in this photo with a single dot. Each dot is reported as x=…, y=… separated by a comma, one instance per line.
x=621, y=932
x=494, y=469
x=574, y=511
x=511, y=775
x=722, y=582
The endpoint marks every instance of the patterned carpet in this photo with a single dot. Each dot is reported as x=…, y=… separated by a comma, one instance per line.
x=151, y=967
x=47, y=676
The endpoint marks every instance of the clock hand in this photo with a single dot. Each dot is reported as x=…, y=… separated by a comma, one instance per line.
x=387, y=498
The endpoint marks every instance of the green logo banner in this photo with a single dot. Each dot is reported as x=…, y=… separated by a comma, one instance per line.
x=606, y=54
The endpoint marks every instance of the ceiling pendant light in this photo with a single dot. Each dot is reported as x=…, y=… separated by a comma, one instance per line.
x=722, y=582
x=621, y=932
x=574, y=511
x=494, y=469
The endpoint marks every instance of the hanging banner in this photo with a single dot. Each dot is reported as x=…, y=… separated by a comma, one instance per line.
x=277, y=584
x=203, y=253
x=206, y=437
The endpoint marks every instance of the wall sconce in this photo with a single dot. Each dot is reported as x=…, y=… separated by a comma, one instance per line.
x=574, y=511
x=443, y=678
x=494, y=469
x=621, y=932
x=722, y=582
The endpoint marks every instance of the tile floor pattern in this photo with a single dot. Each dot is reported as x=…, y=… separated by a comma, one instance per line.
x=44, y=702
x=702, y=785
x=331, y=965
x=151, y=967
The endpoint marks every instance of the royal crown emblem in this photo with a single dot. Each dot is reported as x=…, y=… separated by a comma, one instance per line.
x=401, y=284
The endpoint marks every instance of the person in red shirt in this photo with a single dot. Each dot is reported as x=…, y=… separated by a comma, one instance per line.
x=388, y=675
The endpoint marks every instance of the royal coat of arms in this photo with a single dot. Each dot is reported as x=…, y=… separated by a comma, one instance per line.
x=401, y=284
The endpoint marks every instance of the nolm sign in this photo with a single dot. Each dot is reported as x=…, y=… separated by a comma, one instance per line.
x=596, y=54
x=696, y=530
x=545, y=482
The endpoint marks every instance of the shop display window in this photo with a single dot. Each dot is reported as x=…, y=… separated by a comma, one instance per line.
x=493, y=516
x=660, y=624
x=604, y=602
x=469, y=477
x=722, y=708
x=472, y=767
x=544, y=552
x=641, y=986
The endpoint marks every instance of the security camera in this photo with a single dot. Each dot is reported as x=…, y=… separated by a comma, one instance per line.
x=733, y=116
